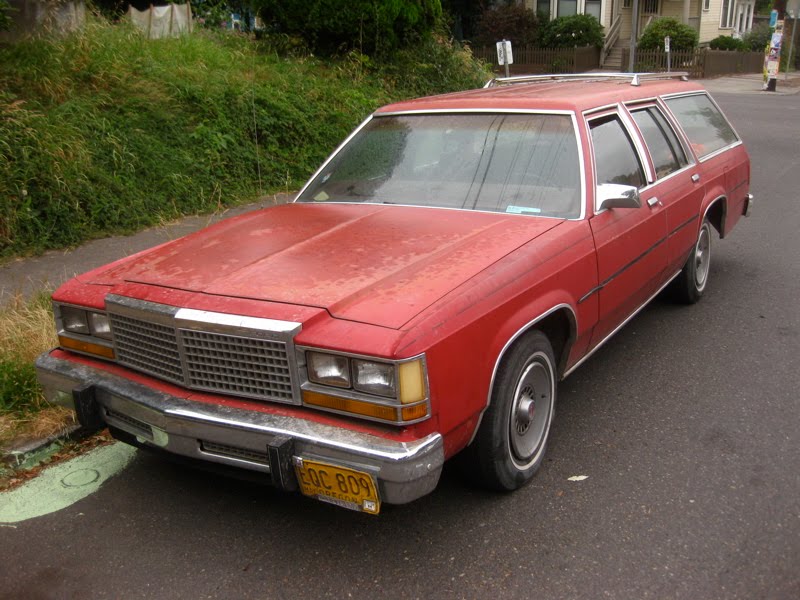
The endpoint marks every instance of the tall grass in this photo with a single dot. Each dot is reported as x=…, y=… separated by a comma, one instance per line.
x=26, y=328
x=103, y=131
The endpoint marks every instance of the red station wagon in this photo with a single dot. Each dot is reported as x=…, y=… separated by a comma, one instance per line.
x=449, y=263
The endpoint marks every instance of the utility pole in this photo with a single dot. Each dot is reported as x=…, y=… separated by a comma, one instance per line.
x=774, y=52
x=634, y=36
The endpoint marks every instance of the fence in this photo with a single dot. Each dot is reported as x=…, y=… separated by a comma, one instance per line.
x=698, y=63
x=529, y=59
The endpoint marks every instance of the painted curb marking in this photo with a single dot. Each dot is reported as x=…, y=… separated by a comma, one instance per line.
x=62, y=485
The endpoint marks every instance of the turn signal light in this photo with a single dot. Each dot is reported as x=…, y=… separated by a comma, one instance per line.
x=87, y=347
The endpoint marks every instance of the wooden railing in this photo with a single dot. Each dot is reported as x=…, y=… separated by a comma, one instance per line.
x=612, y=35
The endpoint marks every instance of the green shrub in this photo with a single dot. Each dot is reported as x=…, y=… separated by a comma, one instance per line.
x=512, y=22
x=373, y=28
x=682, y=37
x=726, y=42
x=758, y=37
x=575, y=30
x=5, y=16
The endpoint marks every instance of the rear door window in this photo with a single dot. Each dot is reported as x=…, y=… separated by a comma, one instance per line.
x=665, y=149
x=706, y=127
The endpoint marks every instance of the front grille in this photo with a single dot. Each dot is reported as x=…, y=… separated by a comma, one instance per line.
x=148, y=347
x=237, y=365
x=203, y=355
x=261, y=458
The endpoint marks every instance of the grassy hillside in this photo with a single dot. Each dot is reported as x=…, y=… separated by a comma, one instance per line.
x=104, y=132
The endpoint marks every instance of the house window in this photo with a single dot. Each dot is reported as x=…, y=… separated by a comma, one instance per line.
x=650, y=7
x=626, y=3
x=706, y=5
x=726, y=16
x=593, y=8
x=567, y=8
x=543, y=8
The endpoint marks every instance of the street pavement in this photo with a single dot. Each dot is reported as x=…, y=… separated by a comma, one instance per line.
x=685, y=424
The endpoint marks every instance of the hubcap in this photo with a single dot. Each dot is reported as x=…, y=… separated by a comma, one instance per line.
x=702, y=257
x=531, y=411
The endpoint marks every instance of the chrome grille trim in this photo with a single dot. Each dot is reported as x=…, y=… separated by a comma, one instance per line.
x=129, y=423
x=215, y=352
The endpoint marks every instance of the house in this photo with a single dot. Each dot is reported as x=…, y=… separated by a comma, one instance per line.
x=711, y=18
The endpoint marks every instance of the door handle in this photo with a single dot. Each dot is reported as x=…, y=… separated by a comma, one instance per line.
x=653, y=201
x=696, y=177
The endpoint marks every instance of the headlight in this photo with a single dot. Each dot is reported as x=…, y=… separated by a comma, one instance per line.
x=100, y=325
x=374, y=378
x=393, y=391
x=329, y=369
x=74, y=320
x=83, y=330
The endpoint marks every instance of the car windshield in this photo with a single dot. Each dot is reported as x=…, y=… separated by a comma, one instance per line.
x=513, y=163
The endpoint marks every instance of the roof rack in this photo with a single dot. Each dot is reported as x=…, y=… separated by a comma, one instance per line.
x=634, y=78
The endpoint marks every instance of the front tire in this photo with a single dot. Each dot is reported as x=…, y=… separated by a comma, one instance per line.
x=510, y=444
x=689, y=286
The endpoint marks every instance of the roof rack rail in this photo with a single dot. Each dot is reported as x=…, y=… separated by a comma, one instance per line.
x=634, y=78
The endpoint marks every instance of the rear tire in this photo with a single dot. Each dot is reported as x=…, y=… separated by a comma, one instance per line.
x=511, y=441
x=690, y=284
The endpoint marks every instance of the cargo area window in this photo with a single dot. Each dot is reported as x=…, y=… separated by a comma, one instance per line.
x=706, y=127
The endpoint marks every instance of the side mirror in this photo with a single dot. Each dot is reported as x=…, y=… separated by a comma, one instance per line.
x=614, y=195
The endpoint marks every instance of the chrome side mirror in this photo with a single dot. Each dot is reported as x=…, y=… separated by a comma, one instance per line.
x=614, y=195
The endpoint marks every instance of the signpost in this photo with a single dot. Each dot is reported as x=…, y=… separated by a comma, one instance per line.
x=504, y=55
x=666, y=49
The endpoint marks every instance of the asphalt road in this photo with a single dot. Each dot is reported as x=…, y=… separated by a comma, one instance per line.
x=686, y=425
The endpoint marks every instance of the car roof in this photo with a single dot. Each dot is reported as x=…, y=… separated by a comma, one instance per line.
x=569, y=94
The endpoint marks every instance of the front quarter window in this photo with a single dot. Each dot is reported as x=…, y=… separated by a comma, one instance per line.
x=505, y=162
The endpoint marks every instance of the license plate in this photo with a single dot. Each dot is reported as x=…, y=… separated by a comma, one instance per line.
x=344, y=487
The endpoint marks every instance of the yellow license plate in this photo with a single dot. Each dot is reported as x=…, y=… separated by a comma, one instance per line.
x=344, y=487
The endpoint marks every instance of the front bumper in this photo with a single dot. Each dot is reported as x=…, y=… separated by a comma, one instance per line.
x=257, y=441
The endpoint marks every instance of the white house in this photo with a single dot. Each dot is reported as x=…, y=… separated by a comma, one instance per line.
x=711, y=18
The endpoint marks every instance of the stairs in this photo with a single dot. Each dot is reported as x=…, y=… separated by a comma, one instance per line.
x=613, y=61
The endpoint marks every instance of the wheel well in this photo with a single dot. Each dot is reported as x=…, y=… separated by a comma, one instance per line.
x=559, y=329
x=716, y=215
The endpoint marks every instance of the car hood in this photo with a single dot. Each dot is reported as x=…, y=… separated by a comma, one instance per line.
x=374, y=264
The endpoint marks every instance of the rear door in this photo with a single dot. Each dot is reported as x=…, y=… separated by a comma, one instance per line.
x=678, y=188
x=630, y=242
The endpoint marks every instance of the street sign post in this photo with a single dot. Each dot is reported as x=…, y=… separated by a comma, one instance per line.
x=666, y=49
x=504, y=54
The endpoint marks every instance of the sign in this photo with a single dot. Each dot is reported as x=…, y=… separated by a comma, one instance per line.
x=666, y=44
x=504, y=55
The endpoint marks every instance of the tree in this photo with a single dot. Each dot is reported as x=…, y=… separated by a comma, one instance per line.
x=682, y=37
x=5, y=18
x=374, y=27
x=512, y=22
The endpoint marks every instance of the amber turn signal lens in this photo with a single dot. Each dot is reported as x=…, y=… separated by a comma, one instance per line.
x=412, y=381
x=356, y=407
x=87, y=347
x=412, y=413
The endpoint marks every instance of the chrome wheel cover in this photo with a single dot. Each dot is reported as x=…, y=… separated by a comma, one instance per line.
x=702, y=257
x=531, y=411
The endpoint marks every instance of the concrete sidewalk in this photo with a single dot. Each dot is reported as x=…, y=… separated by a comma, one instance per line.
x=26, y=276
x=752, y=83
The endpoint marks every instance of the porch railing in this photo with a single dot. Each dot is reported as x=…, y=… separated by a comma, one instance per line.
x=612, y=35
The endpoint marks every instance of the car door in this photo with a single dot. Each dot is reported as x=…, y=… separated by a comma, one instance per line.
x=630, y=242
x=678, y=187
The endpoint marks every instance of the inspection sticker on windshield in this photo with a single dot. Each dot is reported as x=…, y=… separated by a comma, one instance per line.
x=518, y=210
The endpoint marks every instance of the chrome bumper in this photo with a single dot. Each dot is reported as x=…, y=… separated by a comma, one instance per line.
x=252, y=440
x=748, y=205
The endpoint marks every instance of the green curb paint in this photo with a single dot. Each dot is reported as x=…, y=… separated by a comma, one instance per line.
x=62, y=485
